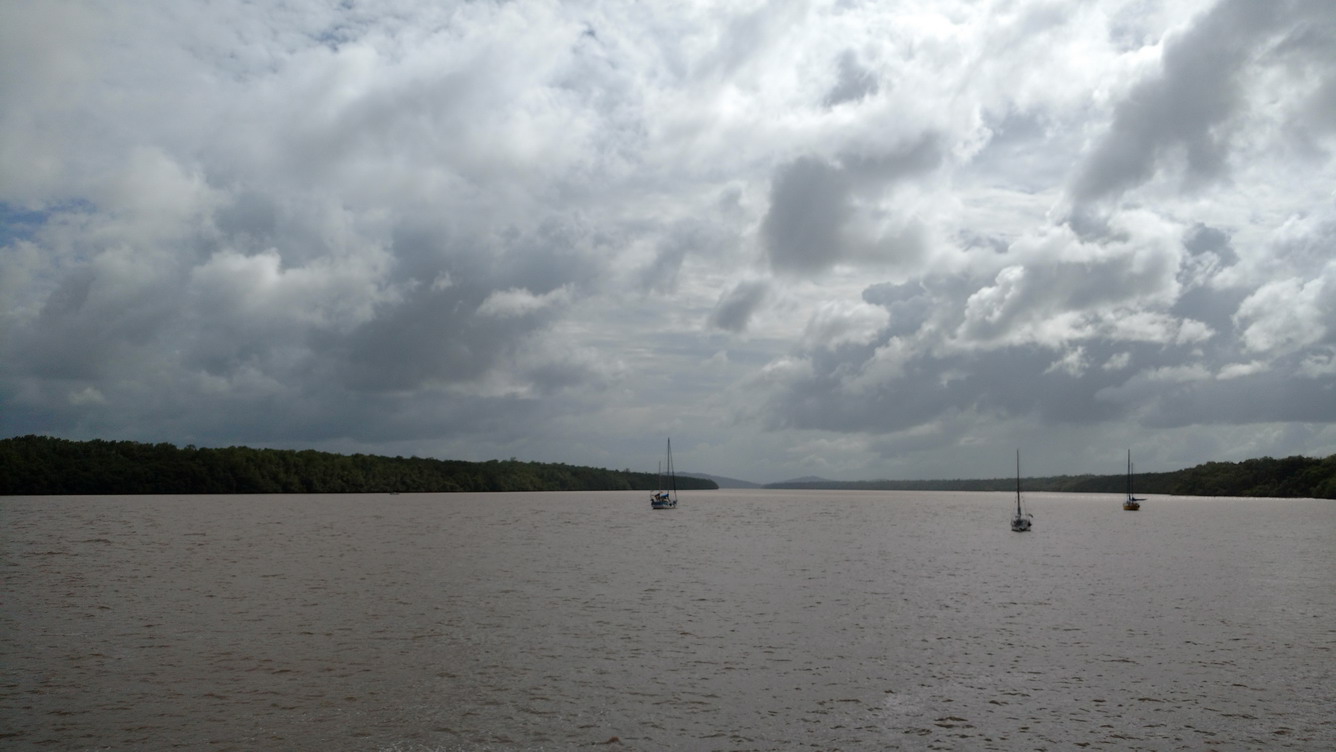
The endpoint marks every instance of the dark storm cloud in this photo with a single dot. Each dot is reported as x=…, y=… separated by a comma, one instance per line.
x=735, y=308
x=1187, y=106
x=1273, y=395
x=680, y=240
x=432, y=336
x=259, y=324
x=929, y=380
x=1201, y=239
x=806, y=229
x=250, y=216
x=442, y=331
x=909, y=305
x=1028, y=294
x=1306, y=55
x=1209, y=251
x=855, y=82
x=97, y=317
x=1201, y=359
x=876, y=170
x=1212, y=306
x=1307, y=250
x=1004, y=383
x=803, y=228
x=661, y=275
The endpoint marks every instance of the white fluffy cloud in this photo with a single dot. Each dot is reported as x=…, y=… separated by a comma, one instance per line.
x=854, y=240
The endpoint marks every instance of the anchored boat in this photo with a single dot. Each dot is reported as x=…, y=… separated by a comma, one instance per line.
x=666, y=498
x=1133, y=503
x=1020, y=521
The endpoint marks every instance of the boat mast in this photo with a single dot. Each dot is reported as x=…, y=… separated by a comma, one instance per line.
x=672, y=474
x=1018, y=481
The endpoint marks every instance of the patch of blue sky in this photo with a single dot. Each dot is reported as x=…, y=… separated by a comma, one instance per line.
x=20, y=223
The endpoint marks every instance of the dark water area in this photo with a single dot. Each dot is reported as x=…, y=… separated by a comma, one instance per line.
x=743, y=620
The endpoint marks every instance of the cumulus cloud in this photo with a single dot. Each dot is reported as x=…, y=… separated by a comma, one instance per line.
x=1183, y=118
x=1288, y=315
x=1196, y=91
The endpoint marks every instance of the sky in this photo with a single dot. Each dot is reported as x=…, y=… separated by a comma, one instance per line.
x=854, y=240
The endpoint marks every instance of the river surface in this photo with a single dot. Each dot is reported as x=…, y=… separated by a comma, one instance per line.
x=743, y=620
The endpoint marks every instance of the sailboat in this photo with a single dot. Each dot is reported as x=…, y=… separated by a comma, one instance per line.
x=1020, y=521
x=1133, y=503
x=666, y=499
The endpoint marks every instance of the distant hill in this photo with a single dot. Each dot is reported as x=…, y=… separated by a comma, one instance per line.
x=809, y=481
x=34, y=465
x=1302, y=477
x=721, y=481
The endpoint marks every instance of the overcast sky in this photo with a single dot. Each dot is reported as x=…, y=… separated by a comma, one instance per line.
x=848, y=239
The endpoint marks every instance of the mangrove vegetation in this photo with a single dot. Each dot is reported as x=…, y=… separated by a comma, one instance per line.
x=33, y=465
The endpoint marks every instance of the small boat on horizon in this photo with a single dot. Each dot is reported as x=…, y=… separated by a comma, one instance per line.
x=1132, y=503
x=1020, y=521
x=666, y=499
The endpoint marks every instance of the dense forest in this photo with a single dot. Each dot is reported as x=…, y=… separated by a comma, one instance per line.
x=32, y=465
x=1291, y=477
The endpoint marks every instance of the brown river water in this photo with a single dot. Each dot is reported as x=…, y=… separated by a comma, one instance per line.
x=743, y=620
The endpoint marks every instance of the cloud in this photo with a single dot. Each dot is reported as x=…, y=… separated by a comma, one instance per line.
x=1070, y=330
x=517, y=302
x=1197, y=91
x=1239, y=370
x=835, y=325
x=1287, y=315
x=803, y=229
x=1072, y=363
x=817, y=217
x=736, y=307
x=910, y=305
x=855, y=82
x=1186, y=117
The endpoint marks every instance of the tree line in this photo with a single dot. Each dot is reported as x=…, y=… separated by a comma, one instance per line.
x=1290, y=477
x=38, y=465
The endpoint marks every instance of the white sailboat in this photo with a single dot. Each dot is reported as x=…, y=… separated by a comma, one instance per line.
x=1133, y=503
x=666, y=498
x=1020, y=521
